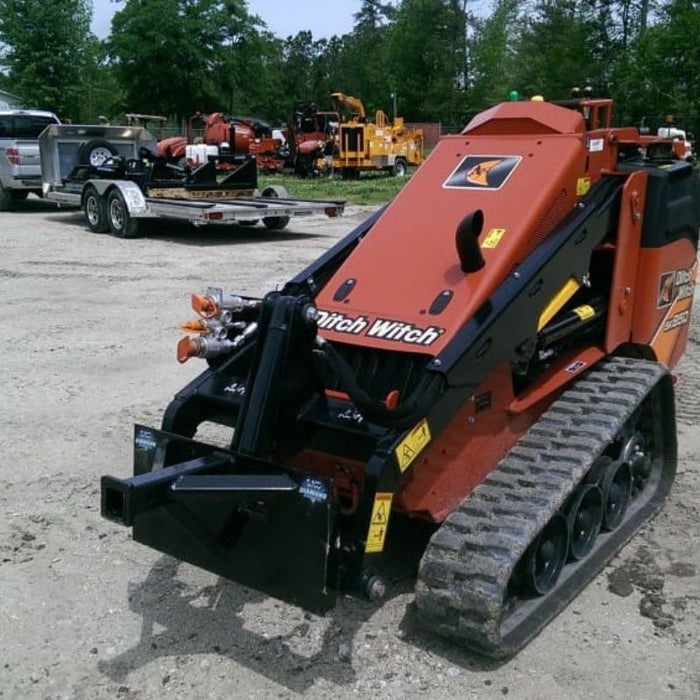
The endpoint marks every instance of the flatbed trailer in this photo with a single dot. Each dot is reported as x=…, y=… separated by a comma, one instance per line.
x=115, y=176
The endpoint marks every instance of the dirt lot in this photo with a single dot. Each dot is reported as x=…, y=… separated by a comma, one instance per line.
x=88, y=348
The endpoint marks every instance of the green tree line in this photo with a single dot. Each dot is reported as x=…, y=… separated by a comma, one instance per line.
x=437, y=60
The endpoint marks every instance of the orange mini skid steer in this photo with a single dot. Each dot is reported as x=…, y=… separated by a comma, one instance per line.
x=488, y=354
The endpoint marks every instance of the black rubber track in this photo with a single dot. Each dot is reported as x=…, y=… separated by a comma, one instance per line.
x=465, y=571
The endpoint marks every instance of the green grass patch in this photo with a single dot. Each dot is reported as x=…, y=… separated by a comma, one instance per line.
x=368, y=188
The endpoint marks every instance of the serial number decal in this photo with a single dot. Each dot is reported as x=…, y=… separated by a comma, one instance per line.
x=378, y=523
x=381, y=328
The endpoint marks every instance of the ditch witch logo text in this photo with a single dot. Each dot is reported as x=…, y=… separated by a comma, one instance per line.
x=381, y=328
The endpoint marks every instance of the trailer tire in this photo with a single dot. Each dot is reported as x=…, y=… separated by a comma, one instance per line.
x=96, y=152
x=95, y=210
x=275, y=222
x=6, y=200
x=120, y=222
x=400, y=169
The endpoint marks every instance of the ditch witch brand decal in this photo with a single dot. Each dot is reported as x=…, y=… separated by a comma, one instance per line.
x=381, y=328
x=482, y=172
x=675, y=286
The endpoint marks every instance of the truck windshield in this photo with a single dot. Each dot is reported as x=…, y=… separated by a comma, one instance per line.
x=23, y=126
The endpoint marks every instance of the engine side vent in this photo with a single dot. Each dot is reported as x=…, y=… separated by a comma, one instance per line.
x=559, y=209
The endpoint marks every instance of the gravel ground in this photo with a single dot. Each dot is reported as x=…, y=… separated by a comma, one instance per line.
x=88, y=349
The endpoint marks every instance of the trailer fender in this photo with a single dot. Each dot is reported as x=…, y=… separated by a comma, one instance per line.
x=133, y=197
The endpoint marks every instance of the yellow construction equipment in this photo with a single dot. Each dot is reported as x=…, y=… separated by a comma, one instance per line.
x=379, y=145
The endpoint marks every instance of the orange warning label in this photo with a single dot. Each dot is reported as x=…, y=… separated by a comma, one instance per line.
x=379, y=522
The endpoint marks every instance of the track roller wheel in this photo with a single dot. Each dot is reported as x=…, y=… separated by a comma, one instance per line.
x=584, y=515
x=617, y=493
x=545, y=558
x=635, y=453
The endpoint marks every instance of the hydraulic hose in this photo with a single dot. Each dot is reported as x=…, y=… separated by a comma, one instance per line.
x=403, y=416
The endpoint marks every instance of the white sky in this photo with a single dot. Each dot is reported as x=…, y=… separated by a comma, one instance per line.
x=323, y=18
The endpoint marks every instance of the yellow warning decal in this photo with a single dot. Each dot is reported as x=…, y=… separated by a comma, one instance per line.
x=379, y=522
x=412, y=444
x=493, y=237
x=584, y=312
x=583, y=184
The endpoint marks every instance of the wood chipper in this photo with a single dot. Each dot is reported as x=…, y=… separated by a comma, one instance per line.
x=489, y=353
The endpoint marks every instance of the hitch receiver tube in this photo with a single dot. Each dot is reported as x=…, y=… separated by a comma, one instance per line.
x=123, y=499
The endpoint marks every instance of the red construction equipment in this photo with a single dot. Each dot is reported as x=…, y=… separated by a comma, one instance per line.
x=487, y=354
x=223, y=135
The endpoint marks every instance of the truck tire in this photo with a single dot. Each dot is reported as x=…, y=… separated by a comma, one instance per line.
x=119, y=220
x=95, y=152
x=6, y=200
x=95, y=210
x=400, y=168
x=275, y=222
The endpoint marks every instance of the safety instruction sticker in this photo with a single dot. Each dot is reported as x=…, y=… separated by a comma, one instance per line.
x=412, y=444
x=378, y=523
x=493, y=237
x=583, y=184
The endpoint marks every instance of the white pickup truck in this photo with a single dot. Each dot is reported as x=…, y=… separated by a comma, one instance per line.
x=20, y=163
